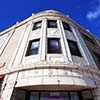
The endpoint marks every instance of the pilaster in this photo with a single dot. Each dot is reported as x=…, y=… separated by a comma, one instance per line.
x=19, y=53
x=9, y=86
x=85, y=52
x=43, y=41
x=65, y=47
x=6, y=41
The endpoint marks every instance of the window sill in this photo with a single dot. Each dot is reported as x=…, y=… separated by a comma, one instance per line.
x=29, y=56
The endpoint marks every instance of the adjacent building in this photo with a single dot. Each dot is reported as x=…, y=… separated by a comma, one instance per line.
x=49, y=57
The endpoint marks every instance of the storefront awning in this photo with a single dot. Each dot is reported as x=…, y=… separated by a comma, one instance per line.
x=1, y=76
x=2, y=64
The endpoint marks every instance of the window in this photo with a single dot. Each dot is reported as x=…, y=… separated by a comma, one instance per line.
x=54, y=46
x=66, y=26
x=88, y=39
x=33, y=48
x=21, y=95
x=97, y=57
x=74, y=48
x=52, y=24
x=87, y=95
x=74, y=96
x=34, y=96
x=55, y=95
x=37, y=25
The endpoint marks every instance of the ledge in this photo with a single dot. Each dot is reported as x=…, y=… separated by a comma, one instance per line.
x=44, y=65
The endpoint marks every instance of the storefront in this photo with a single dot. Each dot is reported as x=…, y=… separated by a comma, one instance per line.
x=55, y=95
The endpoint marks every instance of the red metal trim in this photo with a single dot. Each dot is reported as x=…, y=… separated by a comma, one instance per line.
x=2, y=76
x=2, y=64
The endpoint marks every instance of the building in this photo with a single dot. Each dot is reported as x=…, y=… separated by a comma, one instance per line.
x=49, y=57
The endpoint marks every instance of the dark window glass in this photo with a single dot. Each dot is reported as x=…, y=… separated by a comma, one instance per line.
x=1, y=82
x=74, y=48
x=74, y=96
x=21, y=95
x=97, y=57
x=37, y=25
x=33, y=48
x=54, y=46
x=64, y=95
x=52, y=24
x=44, y=95
x=66, y=26
x=34, y=96
x=54, y=96
x=88, y=39
x=87, y=95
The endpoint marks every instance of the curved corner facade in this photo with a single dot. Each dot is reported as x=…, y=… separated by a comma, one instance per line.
x=49, y=56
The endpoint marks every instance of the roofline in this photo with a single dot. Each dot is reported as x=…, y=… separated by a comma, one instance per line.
x=40, y=14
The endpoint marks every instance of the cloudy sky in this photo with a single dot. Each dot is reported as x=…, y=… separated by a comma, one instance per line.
x=84, y=12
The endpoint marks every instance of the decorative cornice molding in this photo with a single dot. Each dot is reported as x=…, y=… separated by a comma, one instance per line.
x=48, y=65
x=48, y=13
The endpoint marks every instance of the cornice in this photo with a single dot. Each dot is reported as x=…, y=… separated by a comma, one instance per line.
x=48, y=13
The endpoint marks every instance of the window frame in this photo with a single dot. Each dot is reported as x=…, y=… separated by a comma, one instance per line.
x=75, y=52
x=90, y=93
x=89, y=39
x=98, y=56
x=39, y=94
x=59, y=46
x=34, y=26
x=48, y=24
x=29, y=50
x=68, y=26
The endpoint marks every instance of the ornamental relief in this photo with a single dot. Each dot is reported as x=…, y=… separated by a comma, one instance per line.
x=70, y=35
x=35, y=34
x=79, y=60
x=30, y=60
x=53, y=32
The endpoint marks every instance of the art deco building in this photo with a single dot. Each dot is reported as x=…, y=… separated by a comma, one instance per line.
x=49, y=57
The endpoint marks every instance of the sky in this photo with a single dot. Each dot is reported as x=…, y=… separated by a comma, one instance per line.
x=84, y=12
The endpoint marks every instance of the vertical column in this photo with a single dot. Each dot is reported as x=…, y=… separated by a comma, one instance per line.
x=10, y=85
x=43, y=41
x=6, y=41
x=96, y=93
x=65, y=46
x=86, y=54
x=21, y=45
